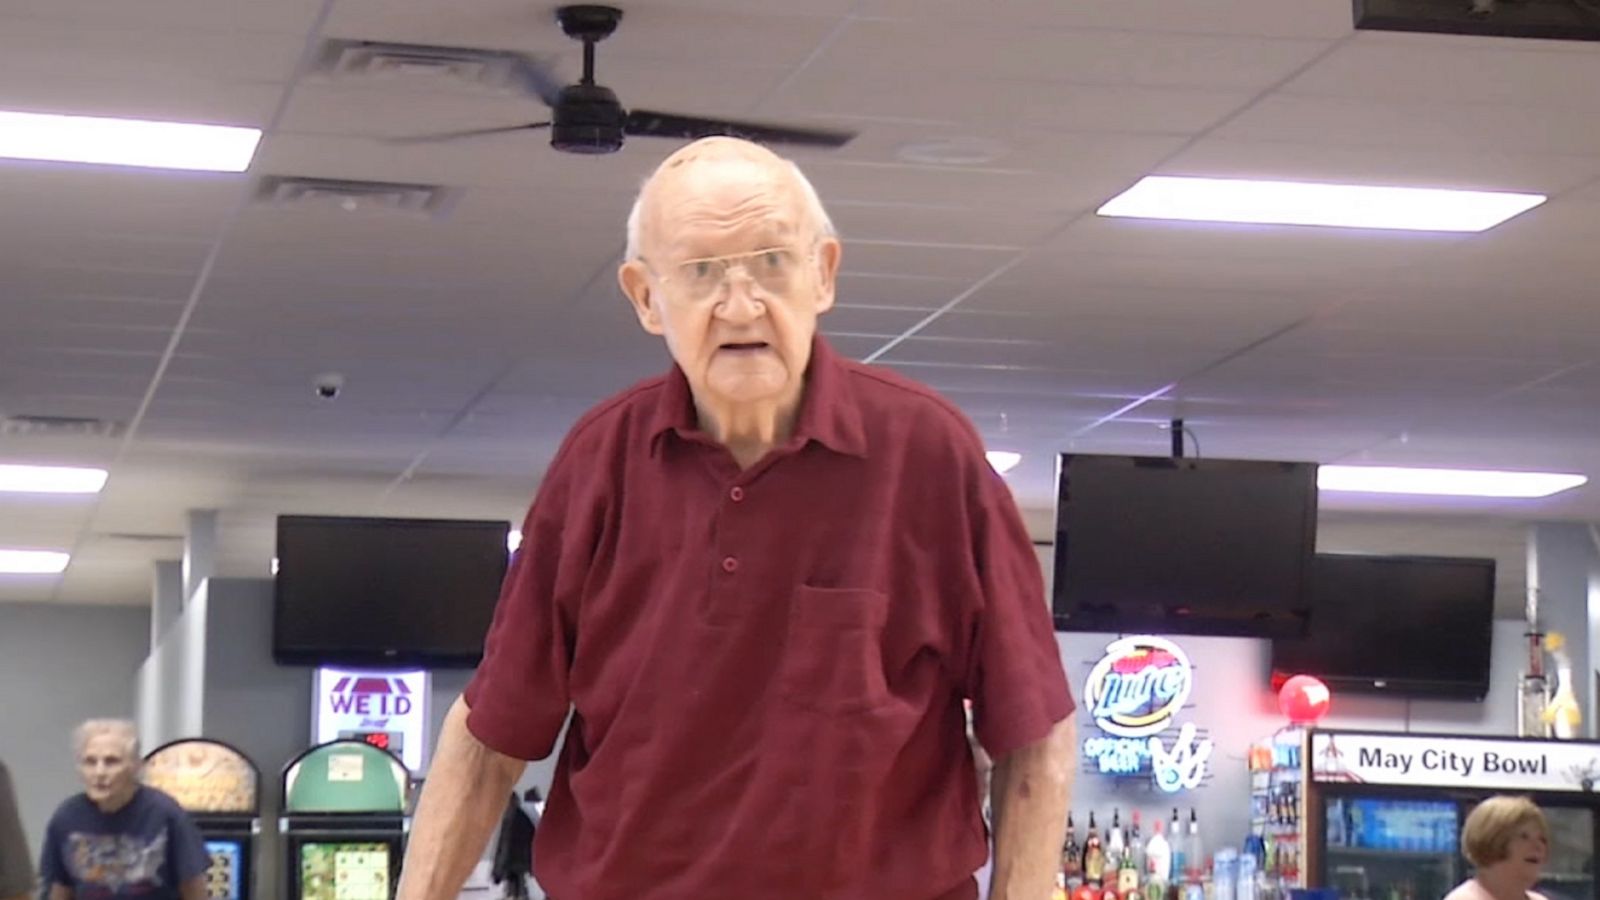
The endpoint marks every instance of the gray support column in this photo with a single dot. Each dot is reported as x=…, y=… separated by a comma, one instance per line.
x=199, y=550
x=166, y=598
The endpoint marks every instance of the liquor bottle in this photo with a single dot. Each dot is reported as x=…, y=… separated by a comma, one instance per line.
x=1116, y=847
x=1094, y=856
x=1194, y=852
x=1071, y=858
x=1179, y=845
x=1128, y=878
x=1157, y=857
x=1136, y=844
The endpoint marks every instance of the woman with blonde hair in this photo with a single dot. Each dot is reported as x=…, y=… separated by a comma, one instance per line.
x=1507, y=840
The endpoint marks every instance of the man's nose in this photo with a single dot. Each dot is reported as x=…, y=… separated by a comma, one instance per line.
x=740, y=301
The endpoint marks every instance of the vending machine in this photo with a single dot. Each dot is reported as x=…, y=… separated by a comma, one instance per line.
x=1384, y=810
x=344, y=822
x=220, y=788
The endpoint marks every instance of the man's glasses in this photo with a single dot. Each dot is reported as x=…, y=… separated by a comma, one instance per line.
x=773, y=271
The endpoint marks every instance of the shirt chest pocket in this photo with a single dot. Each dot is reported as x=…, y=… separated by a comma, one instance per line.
x=833, y=651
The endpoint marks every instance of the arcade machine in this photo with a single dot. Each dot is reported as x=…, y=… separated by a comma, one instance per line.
x=220, y=788
x=344, y=821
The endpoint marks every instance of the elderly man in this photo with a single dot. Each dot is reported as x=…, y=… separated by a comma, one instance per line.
x=120, y=840
x=16, y=872
x=764, y=583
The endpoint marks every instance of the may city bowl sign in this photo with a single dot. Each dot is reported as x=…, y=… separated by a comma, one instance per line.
x=1133, y=693
x=1138, y=686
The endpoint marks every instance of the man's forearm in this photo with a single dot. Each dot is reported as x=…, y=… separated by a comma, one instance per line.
x=461, y=803
x=1030, y=791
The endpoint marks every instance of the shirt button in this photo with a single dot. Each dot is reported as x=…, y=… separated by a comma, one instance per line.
x=730, y=565
x=737, y=493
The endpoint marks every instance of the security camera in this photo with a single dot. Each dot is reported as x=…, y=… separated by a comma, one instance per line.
x=328, y=385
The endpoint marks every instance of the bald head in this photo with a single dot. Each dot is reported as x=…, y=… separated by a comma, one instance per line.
x=721, y=160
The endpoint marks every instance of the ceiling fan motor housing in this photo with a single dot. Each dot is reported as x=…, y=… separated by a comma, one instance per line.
x=587, y=119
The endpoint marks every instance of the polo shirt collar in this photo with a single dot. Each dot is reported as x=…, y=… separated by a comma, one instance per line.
x=829, y=413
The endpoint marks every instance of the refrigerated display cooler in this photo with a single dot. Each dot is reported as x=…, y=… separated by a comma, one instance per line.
x=1384, y=811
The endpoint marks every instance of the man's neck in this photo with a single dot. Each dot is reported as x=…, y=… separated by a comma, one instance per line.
x=752, y=431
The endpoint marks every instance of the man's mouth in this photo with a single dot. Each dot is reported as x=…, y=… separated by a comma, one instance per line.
x=744, y=346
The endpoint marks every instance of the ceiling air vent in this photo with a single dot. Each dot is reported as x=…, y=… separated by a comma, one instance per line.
x=59, y=426
x=422, y=64
x=356, y=196
x=139, y=537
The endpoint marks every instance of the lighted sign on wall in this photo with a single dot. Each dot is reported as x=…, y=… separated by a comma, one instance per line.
x=1134, y=693
x=385, y=709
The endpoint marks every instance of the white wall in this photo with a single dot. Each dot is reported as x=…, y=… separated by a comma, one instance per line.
x=60, y=665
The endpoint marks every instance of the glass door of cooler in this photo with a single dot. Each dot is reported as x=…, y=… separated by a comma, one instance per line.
x=1389, y=848
x=1569, y=871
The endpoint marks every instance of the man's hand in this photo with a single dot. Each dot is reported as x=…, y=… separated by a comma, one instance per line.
x=462, y=800
x=1031, y=787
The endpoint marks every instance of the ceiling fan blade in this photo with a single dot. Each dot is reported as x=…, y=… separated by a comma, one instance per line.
x=469, y=133
x=536, y=77
x=656, y=124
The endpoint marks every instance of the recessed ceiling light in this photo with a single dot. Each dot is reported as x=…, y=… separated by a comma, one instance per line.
x=33, y=562
x=1003, y=460
x=1444, y=482
x=127, y=142
x=51, y=479
x=1308, y=203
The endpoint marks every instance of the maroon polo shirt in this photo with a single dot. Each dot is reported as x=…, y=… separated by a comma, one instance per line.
x=767, y=666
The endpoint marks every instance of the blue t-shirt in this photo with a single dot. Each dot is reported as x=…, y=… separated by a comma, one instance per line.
x=143, y=851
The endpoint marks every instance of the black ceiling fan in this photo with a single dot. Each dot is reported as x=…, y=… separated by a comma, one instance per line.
x=587, y=118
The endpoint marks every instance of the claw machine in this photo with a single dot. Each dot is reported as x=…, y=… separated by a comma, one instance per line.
x=1384, y=810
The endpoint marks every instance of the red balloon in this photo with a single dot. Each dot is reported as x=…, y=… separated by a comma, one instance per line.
x=1304, y=699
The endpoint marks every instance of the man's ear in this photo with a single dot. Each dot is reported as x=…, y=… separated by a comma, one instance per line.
x=828, y=251
x=635, y=281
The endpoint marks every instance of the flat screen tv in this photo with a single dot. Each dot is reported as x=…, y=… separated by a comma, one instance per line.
x=1184, y=545
x=1414, y=626
x=385, y=592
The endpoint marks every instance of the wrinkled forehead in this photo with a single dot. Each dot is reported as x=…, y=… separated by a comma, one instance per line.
x=752, y=198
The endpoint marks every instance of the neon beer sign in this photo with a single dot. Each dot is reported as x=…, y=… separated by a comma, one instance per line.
x=1133, y=693
x=1138, y=686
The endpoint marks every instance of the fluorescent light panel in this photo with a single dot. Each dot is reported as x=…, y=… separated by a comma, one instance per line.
x=51, y=479
x=1003, y=460
x=1444, y=482
x=1310, y=203
x=33, y=562
x=127, y=142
